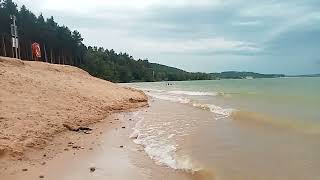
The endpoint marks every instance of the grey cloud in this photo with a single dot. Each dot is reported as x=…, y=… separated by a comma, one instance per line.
x=279, y=42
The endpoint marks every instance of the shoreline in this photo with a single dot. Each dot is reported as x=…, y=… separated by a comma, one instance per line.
x=42, y=102
x=108, y=149
x=69, y=150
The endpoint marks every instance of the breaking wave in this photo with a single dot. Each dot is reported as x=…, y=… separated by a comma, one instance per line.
x=216, y=109
x=151, y=90
x=219, y=111
x=170, y=98
x=161, y=150
x=194, y=93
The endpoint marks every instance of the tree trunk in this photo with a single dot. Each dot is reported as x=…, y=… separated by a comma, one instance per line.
x=31, y=51
x=4, y=46
x=51, y=55
x=12, y=49
x=62, y=56
x=45, y=53
x=19, y=55
x=54, y=58
x=26, y=50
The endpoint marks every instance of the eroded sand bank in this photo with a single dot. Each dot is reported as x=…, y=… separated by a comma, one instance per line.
x=37, y=99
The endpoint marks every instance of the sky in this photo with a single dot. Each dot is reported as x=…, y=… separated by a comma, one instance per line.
x=270, y=36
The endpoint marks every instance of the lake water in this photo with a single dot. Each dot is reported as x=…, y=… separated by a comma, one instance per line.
x=234, y=129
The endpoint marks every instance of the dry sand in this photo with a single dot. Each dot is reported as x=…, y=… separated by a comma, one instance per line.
x=37, y=98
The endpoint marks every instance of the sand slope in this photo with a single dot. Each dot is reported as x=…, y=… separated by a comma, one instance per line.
x=37, y=98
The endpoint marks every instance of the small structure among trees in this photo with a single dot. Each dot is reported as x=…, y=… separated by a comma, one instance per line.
x=58, y=43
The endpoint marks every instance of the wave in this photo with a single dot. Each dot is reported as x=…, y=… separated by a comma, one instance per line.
x=171, y=98
x=216, y=109
x=221, y=112
x=151, y=90
x=160, y=149
x=164, y=153
x=194, y=93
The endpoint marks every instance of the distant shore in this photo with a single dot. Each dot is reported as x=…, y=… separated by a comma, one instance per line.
x=40, y=101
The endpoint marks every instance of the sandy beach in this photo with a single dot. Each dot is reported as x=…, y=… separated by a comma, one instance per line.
x=58, y=122
x=41, y=102
x=108, y=149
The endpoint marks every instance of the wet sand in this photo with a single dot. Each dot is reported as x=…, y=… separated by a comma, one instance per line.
x=101, y=150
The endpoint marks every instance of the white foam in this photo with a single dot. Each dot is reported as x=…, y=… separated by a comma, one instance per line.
x=152, y=90
x=216, y=109
x=170, y=98
x=193, y=93
x=134, y=134
x=171, y=135
x=159, y=149
x=164, y=153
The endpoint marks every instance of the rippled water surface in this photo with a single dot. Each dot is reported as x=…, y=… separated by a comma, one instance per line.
x=234, y=129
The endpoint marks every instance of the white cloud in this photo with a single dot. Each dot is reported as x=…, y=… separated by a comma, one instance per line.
x=85, y=6
x=277, y=9
x=246, y=23
x=209, y=45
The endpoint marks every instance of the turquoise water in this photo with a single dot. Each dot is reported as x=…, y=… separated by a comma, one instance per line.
x=280, y=100
x=234, y=129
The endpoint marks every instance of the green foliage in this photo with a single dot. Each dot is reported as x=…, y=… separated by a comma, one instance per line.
x=242, y=75
x=61, y=45
x=120, y=67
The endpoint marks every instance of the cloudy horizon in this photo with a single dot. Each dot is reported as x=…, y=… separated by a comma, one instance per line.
x=204, y=35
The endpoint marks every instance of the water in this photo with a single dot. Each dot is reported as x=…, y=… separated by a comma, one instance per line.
x=234, y=129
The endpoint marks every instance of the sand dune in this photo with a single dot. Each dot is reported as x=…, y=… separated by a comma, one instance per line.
x=37, y=98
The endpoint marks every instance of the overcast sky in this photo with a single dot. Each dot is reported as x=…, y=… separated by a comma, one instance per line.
x=270, y=36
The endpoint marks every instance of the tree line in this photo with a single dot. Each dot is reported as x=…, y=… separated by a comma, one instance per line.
x=121, y=67
x=60, y=45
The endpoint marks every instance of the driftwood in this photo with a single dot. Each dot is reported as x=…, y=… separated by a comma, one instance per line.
x=77, y=129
